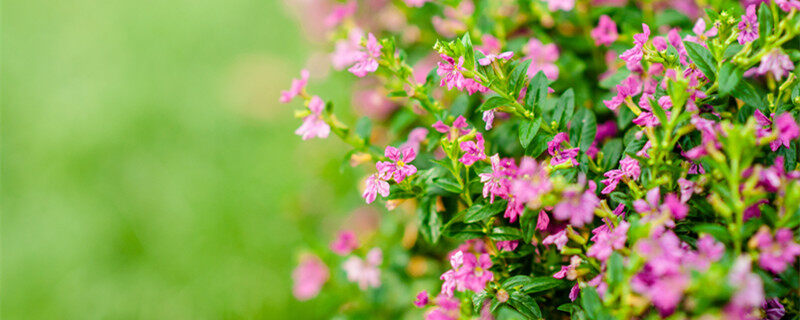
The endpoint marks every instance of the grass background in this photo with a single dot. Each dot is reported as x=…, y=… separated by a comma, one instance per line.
x=147, y=168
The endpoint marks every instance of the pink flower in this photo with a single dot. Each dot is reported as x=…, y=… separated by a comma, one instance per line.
x=468, y=273
x=565, y=5
x=788, y=5
x=495, y=183
x=422, y=299
x=345, y=243
x=415, y=138
x=776, y=63
x=559, y=239
x=473, y=150
x=561, y=155
x=701, y=34
x=375, y=185
x=607, y=241
x=458, y=128
x=569, y=271
x=298, y=85
x=492, y=57
x=775, y=253
x=416, y=3
x=309, y=276
x=678, y=209
x=749, y=288
x=400, y=168
x=347, y=51
x=629, y=87
x=313, y=124
x=629, y=168
x=339, y=13
x=708, y=251
x=365, y=272
x=686, y=189
x=510, y=245
x=447, y=308
x=748, y=26
x=366, y=59
x=606, y=31
x=633, y=56
x=488, y=118
x=577, y=207
x=531, y=182
x=542, y=221
x=786, y=128
x=450, y=72
x=543, y=58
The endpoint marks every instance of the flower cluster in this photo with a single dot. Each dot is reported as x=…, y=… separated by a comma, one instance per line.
x=562, y=159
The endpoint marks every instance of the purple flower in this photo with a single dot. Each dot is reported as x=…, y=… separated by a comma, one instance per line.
x=606, y=31
x=367, y=58
x=776, y=63
x=686, y=189
x=365, y=272
x=775, y=253
x=509, y=245
x=748, y=26
x=773, y=309
x=473, y=150
x=561, y=155
x=609, y=240
x=309, y=276
x=492, y=57
x=422, y=299
x=297, y=87
x=458, y=127
x=701, y=34
x=375, y=185
x=345, y=243
x=313, y=124
x=543, y=58
x=400, y=168
x=577, y=207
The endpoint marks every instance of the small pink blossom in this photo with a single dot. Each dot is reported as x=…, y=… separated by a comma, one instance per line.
x=509, y=245
x=701, y=34
x=347, y=51
x=748, y=26
x=309, y=276
x=577, y=207
x=565, y=5
x=375, y=185
x=776, y=63
x=775, y=253
x=633, y=56
x=490, y=57
x=365, y=272
x=559, y=154
x=451, y=75
x=543, y=58
x=606, y=31
x=459, y=127
x=416, y=3
x=495, y=183
x=298, y=85
x=559, y=239
x=339, y=13
x=629, y=168
x=473, y=150
x=488, y=118
x=399, y=167
x=313, y=124
x=786, y=129
x=415, y=139
x=345, y=243
x=607, y=241
x=788, y=5
x=366, y=59
x=422, y=299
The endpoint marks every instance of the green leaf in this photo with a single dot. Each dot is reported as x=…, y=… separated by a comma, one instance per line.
x=398, y=93
x=518, y=76
x=517, y=282
x=525, y=305
x=729, y=77
x=478, y=299
x=712, y=15
x=765, y=21
x=614, y=270
x=612, y=153
x=430, y=222
x=469, y=52
x=364, y=127
x=480, y=212
x=658, y=111
x=702, y=58
x=565, y=107
x=528, y=130
x=447, y=184
x=505, y=233
x=538, y=145
x=493, y=102
x=537, y=92
x=717, y=231
x=464, y=231
x=748, y=94
x=591, y=303
x=544, y=283
x=583, y=129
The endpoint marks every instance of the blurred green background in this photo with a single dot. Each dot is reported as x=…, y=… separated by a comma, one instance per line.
x=147, y=168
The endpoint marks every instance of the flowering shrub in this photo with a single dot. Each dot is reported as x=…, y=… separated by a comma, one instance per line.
x=587, y=159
